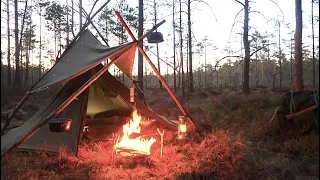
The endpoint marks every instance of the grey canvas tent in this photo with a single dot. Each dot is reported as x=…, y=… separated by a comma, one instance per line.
x=105, y=94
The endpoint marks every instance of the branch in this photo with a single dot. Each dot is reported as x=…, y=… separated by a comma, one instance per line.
x=260, y=14
x=94, y=4
x=4, y=2
x=257, y=50
x=227, y=57
x=234, y=22
x=89, y=19
x=279, y=8
x=208, y=6
x=239, y=2
x=253, y=2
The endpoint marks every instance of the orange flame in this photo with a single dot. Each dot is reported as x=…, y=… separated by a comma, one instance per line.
x=136, y=145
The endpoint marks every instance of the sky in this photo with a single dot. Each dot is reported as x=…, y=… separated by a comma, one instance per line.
x=215, y=23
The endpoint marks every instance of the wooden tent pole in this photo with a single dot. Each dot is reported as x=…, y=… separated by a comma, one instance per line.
x=14, y=112
x=25, y=98
x=154, y=67
x=85, y=26
x=75, y=38
x=65, y=103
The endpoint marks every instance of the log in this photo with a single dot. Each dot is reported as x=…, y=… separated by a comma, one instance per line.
x=290, y=116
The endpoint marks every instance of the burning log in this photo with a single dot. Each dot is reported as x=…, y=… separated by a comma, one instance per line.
x=128, y=146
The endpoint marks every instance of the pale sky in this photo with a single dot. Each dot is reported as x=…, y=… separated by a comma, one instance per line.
x=218, y=32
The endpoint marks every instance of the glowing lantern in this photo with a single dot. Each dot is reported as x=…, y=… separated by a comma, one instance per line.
x=131, y=91
x=182, y=128
x=131, y=94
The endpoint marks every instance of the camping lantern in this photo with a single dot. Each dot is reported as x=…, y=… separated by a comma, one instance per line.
x=182, y=128
x=131, y=91
x=131, y=94
x=155, y=37
x=60, y=125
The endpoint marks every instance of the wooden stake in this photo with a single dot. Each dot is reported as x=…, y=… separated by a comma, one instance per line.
x=161, y=135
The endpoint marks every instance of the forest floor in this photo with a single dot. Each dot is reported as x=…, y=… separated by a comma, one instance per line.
x=232, y=145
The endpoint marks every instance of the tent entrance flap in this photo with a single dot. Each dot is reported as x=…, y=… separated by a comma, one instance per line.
x=103, y=101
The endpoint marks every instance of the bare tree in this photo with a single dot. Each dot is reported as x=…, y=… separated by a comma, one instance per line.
x=17, y=46
x=191, y=86
x=313, y=58
x=8, y=50
x=174, y=47
x=157, y=46
x=181, y=50
x=246, y=65
x=298, y=47
x=246, y=43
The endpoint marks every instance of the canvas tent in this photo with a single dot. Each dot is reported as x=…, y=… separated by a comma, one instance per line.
x=107, y=95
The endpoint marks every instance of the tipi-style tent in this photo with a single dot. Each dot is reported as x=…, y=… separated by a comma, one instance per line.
x=106, y=94
x=88, y=89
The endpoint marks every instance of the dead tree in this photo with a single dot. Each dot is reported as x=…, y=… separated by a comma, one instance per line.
x=8, y=52
x=298, y=47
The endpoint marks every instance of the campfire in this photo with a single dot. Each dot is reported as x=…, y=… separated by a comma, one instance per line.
x=129, y=146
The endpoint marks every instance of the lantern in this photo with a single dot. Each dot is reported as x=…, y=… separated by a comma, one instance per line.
x=155, y=37
x=60, y=125
x=182, y=128
x=131, y=91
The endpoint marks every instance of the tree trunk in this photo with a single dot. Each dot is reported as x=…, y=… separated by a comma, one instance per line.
x=17, y=47
x=20, y=41
x=280, y=61
x=72, y=19
x=40, y=50
x=140, y=56
x=174, y=49
x=67, y=22
x=157, y=46
x=291, y=59
x=257, y=78
x=80, y=14
x=8, y=51
x=298, y=48
x=313, y=55
x=191, y=86
x=246, y=67
x=181, y=53
x=27, y=68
